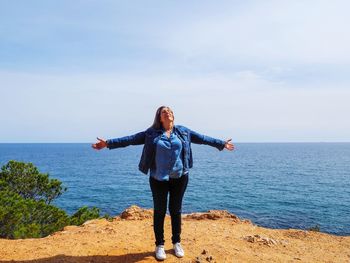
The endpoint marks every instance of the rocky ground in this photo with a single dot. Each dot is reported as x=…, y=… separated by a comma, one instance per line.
x=215, y=236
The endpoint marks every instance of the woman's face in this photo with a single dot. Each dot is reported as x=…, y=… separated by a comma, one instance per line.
x=166, y=115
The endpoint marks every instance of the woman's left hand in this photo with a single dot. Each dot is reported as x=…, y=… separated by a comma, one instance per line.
x=229, y=145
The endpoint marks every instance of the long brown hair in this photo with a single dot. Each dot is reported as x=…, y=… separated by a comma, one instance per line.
x=156, y=123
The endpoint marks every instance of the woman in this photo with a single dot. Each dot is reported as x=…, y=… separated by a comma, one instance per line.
x=167, y=157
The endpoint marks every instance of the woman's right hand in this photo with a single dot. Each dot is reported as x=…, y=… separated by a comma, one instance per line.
x=100, y=144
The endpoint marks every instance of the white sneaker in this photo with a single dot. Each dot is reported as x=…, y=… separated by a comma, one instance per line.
x=160, y=252
x=179, y=252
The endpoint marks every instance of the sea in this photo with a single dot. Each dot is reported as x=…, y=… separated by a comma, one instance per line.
x=275, y=185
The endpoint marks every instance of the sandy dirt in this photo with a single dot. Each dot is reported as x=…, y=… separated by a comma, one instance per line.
x=216, y=236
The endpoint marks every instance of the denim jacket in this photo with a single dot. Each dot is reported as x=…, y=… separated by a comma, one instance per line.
x=149, y=139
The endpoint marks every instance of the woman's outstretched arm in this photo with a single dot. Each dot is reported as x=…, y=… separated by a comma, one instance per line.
x=136, y=139
x=203, y=139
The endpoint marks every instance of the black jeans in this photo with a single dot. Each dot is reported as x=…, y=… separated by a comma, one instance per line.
x=160, y=189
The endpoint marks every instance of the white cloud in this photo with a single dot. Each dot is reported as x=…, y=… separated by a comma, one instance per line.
x=243, y=106
x=267, y=31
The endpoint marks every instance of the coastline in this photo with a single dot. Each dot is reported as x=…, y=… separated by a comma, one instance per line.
x=215, y=236
x=274, y=185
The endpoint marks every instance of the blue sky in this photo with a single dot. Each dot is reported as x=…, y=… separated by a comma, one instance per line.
x=254, y=71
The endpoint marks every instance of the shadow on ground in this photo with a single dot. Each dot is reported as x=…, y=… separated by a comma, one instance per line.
x=127, y=258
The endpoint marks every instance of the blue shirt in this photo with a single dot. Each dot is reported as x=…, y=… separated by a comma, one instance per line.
x=168, y=158
x=149, y=138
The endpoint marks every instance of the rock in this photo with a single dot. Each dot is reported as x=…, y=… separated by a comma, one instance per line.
x=250, y=239
x=197, y=260
x=284, y=242
x=213, y=215
x=209, y=259
x=270, y=241
x=90, y=222
x=260, y=239
x=246, y=221
x=204, y=252
x=136, y=213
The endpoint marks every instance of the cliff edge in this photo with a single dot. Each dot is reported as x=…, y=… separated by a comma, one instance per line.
x=214, y=236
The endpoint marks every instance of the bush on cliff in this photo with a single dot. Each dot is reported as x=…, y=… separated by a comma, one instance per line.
x=24, y=218
x=25, y=203
x=26, y=180
x=84, y=214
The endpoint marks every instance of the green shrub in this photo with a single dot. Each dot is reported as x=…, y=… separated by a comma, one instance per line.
x=84, y=214
x=108, y=217
x=25, y=180
x=25, y=209
x=28, y=218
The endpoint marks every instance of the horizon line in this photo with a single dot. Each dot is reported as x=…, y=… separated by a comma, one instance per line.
x=194, y=143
